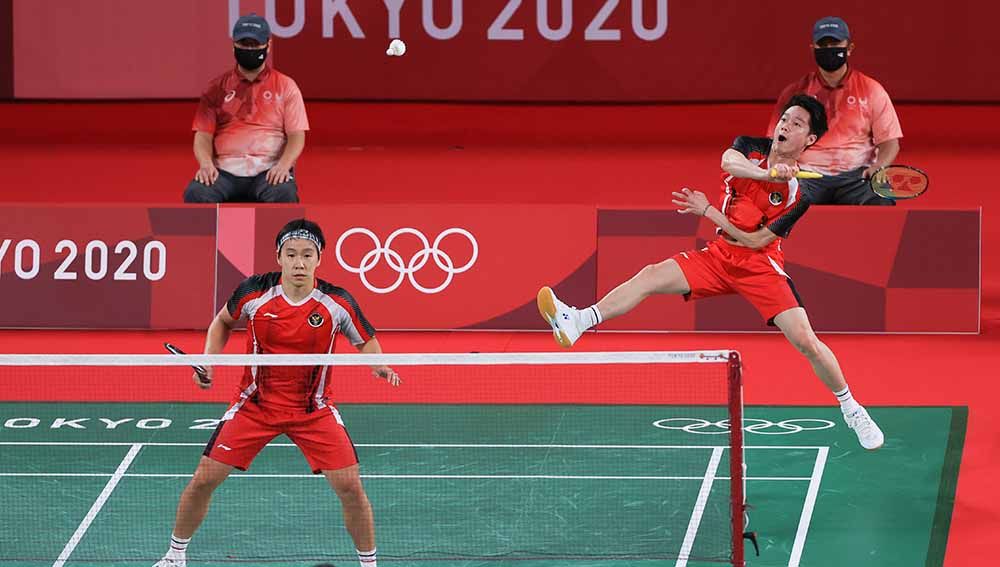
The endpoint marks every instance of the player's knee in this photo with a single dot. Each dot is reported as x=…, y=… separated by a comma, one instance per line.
x=205, y=480
x=203, y=484
x=651, y=275
x=807, y=343
x=349, y=489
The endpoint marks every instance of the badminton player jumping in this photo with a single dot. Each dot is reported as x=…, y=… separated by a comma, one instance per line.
x=761, y=202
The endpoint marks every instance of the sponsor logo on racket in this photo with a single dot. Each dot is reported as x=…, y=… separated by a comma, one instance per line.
x=750, y=425
x=408, y=269
x=315, y=319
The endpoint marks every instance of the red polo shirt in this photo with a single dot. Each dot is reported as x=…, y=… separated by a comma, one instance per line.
x=250, y=120
x=860, y=116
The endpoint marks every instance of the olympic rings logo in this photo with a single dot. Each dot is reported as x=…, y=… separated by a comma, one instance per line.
x=750, y=425
x=407, y=269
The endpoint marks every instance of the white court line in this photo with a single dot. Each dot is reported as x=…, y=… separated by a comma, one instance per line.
x=98, y=504
x=408, y=476
x=699, y=508
x=419, y=445
x=807, y=508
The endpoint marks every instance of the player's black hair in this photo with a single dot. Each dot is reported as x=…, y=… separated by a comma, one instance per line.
x=817, y=114
x=301, y=224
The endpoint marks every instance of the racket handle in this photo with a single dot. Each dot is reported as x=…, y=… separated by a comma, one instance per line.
x=802, y=174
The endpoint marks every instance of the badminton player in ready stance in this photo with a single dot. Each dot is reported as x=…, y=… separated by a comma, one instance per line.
x=761, y=201
x=287, y=312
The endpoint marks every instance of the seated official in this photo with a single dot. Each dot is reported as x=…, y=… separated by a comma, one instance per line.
x=250, y=127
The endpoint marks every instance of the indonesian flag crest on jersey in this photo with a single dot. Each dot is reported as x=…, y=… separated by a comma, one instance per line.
x=315, y=319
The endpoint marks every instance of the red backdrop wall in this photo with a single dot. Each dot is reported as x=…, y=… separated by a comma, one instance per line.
x=444, y=266
x=576, y=50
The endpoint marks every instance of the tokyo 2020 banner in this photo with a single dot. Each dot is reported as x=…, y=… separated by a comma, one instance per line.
x=106, y=267
x=474, y=266
x=496, y=50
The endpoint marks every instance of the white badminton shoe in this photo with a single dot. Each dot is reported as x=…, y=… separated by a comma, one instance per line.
x=567, y=325
x=869, y=434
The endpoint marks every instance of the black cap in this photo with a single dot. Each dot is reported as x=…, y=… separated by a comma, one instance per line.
x=252, y=27
x=830, y=26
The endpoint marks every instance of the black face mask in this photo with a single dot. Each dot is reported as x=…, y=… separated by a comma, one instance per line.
x=830, y=58
x=250, y=59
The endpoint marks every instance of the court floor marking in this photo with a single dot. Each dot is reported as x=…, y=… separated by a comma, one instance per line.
x=707, y=480
x=413, y=445
x=95, y=509
x=714, y=448
x=406, y=476
x=699, y=507
x=808, y=506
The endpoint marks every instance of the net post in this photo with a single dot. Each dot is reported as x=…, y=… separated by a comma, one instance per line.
x=737, y=505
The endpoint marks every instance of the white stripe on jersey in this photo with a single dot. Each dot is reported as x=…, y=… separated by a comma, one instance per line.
x=344, y=321
x=729, y=194
x=250, y=308
x=318, y=396
x=793, y=192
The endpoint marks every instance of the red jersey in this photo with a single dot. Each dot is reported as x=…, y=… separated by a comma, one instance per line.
x=751, y=205
x=277, y=325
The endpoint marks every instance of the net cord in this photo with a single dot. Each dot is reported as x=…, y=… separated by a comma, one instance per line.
x=422, y=359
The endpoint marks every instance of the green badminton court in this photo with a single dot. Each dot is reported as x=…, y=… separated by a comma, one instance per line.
x=87, y=484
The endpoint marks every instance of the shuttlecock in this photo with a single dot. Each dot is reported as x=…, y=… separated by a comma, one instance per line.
x=396, y=48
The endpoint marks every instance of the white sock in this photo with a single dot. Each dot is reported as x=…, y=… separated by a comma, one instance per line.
x=591, y=316
x=367, y=558
x=847, y=403
x=178, y=546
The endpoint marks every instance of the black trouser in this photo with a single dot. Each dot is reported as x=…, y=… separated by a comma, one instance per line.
x=229, y=188
x=848, y=188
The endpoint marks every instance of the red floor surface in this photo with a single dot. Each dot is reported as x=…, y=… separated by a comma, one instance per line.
x=604, y=155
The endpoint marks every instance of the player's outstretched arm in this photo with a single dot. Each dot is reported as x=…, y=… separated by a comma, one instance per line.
x=696, y=203
x=380, y=371
x=737, y=165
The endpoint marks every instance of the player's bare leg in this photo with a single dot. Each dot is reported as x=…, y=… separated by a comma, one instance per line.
x=357, y=510
x=663, y=278
x=192, y=508
x=568, y=323
x=794, y=323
